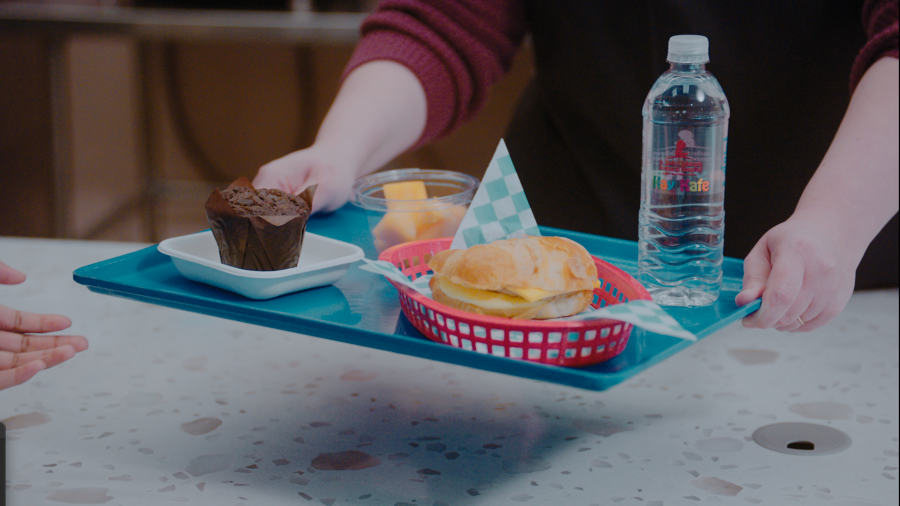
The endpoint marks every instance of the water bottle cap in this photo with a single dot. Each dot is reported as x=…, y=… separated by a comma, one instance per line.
x=688, y=49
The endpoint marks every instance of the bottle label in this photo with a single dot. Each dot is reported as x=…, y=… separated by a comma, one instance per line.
x=680, y=172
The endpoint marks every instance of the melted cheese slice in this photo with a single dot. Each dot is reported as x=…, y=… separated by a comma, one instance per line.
x=536, y=294
x=524, y=297
x=532, y=294
x=483, y=298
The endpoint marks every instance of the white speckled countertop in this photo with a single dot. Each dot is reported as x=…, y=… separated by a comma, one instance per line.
x=174, y=407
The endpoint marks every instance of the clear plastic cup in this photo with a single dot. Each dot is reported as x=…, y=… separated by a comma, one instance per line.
x=393, y=222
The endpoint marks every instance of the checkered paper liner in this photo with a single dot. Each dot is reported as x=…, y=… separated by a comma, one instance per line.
x=388, y=270
x=645, y=314
x=499, y=209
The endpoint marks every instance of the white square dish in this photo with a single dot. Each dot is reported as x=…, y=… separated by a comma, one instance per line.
x=322, y=262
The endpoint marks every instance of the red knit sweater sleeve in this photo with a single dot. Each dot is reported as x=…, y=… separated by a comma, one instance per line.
x=457, y=49
x=880, y=21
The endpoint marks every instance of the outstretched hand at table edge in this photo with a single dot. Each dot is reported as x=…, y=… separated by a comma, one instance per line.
x=23, y=353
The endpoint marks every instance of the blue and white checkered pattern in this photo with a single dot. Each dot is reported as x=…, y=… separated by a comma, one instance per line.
x=499, y=209
x=645, y=314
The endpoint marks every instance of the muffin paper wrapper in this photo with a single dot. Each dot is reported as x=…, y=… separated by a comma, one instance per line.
x=258, y=243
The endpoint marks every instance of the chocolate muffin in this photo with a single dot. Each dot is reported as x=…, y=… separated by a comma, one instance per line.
x=260, y=230
x=248, y=201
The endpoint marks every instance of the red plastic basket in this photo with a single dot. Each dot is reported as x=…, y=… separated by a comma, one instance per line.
x=566, y=343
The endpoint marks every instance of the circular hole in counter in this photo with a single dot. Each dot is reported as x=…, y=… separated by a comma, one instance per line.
x=801, y=445
x=797, y=438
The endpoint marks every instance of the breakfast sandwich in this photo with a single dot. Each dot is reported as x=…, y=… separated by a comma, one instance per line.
x=525, y=278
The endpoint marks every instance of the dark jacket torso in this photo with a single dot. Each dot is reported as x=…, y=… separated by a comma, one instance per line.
x=784, y=66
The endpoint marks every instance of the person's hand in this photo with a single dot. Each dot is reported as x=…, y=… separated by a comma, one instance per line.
x=293, y=173
x=805, y=268
x=379, y=112
x=22, y=354
x=804, y=274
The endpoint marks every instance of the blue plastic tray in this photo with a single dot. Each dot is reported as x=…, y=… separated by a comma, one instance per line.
x=362, y=308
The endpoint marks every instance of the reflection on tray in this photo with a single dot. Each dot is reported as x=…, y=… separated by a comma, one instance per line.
x=328, y=304
x=406, y=328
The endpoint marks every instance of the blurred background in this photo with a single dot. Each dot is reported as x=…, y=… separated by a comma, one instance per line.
x=108, y=134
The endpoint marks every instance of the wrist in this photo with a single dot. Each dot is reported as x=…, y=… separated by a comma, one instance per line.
x=839, y=224
x=345, y=160
x=379, y=113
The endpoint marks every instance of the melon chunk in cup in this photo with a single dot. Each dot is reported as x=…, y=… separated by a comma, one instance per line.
x=406, y=190
x=416, y=220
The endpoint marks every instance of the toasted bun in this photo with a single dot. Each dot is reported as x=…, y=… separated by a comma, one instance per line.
x=527, y=278
x=554, y=264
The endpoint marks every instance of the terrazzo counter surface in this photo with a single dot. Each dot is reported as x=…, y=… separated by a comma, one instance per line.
x=174, y=407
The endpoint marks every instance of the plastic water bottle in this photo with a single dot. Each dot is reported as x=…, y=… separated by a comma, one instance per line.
x=682, y=217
